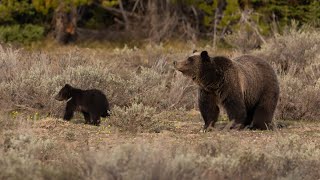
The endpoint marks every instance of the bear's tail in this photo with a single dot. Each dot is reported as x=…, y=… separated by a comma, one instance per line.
x=106, y=113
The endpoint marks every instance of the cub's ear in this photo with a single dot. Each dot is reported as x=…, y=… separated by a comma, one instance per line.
x=194, y=51
x=204, y=56
x=67, y=86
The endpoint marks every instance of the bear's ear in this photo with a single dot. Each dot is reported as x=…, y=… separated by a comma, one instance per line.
x=194, y=51
x=204, y=56
x=67, y=86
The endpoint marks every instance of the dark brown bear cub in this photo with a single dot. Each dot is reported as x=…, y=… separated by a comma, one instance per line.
x=246, y=87
x=92, y=103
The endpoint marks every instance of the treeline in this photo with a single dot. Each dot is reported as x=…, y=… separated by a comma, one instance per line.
x=155, y=20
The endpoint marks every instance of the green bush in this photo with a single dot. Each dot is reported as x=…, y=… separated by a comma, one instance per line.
x=21, y=33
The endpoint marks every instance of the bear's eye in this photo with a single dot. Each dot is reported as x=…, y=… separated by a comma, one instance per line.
x=190, y=60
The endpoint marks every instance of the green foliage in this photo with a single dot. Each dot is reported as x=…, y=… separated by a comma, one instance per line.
x=17, y=12
x=209, y=10
x=313, y=16
x=21, y=33
x=264, y=13
x=221, y=15
x=44, y=6
x=10, y=7
x=98, y=18
x=285, y=11
x=11, y=10
x=109, y=3
x=231, y=13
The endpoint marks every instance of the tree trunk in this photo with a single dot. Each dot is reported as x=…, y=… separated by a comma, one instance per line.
x=65, y=24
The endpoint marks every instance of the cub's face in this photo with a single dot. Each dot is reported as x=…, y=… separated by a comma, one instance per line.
x=64, y=93
x=192, y=65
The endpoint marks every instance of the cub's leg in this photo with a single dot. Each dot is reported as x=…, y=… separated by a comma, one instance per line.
x=95, y=119
x=70, y=108
x=86, y=117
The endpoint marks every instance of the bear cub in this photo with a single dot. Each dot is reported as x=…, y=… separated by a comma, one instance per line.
x=246, y=87
x=92, y=103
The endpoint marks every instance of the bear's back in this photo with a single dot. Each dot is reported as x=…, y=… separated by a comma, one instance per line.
x=255, y=67
x=95, y=94
x=95, y=99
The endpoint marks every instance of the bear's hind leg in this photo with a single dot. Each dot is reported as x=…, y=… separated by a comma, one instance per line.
x=262, y=119
x=236, y=111
x=263, y=115
x=105, y=114
x=86, y=117
x=249, y=119
x=95, y=119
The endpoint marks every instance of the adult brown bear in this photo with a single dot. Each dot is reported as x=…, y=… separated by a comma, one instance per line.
x=246, y=87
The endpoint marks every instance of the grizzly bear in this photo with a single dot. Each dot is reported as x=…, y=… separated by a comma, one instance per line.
x=92, y=103
x=246, y=87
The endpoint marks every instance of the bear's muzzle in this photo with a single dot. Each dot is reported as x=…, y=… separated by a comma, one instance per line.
x=58, y=97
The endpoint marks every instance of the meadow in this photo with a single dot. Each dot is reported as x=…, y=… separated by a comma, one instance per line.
x=154, y=130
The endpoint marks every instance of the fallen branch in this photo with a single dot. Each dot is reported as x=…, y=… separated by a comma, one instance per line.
x=124, y=15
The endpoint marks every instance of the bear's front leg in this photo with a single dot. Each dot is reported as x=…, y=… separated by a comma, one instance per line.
x=236, y=111
x=70, y=108
x=208, y=108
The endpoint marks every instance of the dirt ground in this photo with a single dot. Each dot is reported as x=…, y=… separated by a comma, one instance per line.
x=74, y=150
x=77, y=135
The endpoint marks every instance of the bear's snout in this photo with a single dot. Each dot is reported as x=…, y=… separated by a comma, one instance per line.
x=178, y=66
x=58, y=97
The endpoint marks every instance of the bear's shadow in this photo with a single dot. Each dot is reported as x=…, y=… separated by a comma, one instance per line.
x=78, y=121
x=225, y=126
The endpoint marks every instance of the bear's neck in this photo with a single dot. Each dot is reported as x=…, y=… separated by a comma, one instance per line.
x=211, y=79
x=76, y=92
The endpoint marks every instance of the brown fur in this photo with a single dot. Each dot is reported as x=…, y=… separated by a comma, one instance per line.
x=246, y=87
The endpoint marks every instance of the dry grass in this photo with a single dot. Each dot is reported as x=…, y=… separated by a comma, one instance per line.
x=296, y=57
x=30, y=79
x=55, y=149
x=153, y=132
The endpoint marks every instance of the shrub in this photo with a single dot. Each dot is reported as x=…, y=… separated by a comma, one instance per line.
x=145, y=76
x=24, y=156
x=56, y=149
x=21, y=33
x=293, y=51
x=30, y=80
x=137, y=118
x=244, y=39
x=295, y=56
